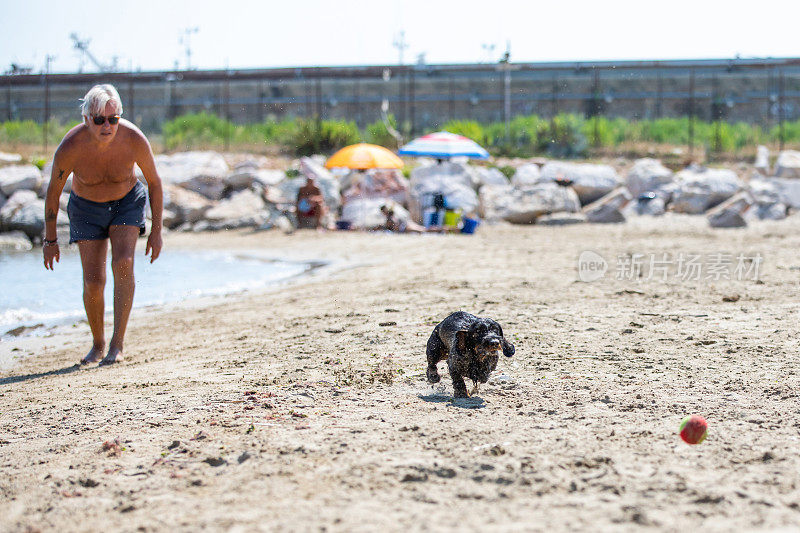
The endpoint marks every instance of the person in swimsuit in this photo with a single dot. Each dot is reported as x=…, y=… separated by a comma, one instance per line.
x=107, y=203
x=310, y=205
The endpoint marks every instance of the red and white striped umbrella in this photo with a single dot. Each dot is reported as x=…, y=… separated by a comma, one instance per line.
x=444, y=145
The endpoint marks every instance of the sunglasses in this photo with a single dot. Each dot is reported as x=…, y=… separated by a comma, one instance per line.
x=99, y=120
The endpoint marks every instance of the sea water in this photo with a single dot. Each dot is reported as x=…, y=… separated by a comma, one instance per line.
x=31, y=295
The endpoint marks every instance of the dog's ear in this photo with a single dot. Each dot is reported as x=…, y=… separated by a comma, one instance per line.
x=508, y=348
x=462, y=337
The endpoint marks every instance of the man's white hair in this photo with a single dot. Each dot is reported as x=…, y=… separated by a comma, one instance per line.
x=94, y=103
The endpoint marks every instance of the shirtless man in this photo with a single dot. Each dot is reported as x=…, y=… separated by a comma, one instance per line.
x=107, y=202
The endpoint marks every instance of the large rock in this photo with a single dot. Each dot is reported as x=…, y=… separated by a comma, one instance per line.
x=730, y=213
x=243, y=209
x=365, y=213
x=527, y=174
x=19, y=177
x=456, y=187
x=524, y=205
x=591, y=182
x=490, y=176
x=768, y=200
x=247, y=178
x=561, y=219
x=449, y=171
x=647, y=204
x=699, y=189
x=762, y=160
x=9, y=158
x=788, y=164
x=185, y=206
x=15, y=241
x=789, y=190
x=201, y=172
x=375, y=183
x=24, y=212
x=647, y=175
x=608, y=209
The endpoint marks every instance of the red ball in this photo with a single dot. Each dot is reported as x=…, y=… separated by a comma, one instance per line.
x=694, y=429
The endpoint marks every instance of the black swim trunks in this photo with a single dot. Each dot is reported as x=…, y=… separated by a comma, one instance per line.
x=89, y=221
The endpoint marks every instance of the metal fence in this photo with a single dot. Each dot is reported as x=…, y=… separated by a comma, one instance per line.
x=765, y=92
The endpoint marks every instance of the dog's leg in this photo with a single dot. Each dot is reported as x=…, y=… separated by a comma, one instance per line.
x=475, y=388
x=434, y=354
x=459, y=387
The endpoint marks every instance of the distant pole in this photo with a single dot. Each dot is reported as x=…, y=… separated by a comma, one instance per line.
x=412, y=101
x=401, y=45
x=47, y=61
x=716, y=112
x=691, y=114
x=356, y=106
x=8, y=97
x=318, y=102
x=130, y=91
x=452, y=98
x=507, y=106
x=227, y=109
x=596, y=109
x=659, y=94
x=505, y=66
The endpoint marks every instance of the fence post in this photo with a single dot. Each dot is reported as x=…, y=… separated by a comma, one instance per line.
x=781, y=113
x=130, y=95
x=452, y=98
x=412, y=103
x=8, y=96
x=691, y=115
x=659, y=94
x=47, y=60
x=227, y=110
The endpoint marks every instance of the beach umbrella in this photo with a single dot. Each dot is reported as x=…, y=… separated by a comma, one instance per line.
x=363, y=156
x=444, y=145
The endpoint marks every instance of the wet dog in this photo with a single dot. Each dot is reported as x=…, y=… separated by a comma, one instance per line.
x=471, y=346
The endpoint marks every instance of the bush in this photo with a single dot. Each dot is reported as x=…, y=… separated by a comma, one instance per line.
x=467, y=128
x=327, y=136
x=378, y=133
x=28, y=132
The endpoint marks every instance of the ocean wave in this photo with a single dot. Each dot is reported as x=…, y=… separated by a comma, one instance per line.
x=11, y=318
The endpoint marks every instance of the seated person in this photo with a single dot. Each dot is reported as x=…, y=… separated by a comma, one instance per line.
x=394, y=223
x=310, y=205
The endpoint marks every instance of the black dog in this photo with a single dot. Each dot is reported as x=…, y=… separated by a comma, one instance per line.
x=470, y=345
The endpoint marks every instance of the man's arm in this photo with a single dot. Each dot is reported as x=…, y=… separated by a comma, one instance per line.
x=146, y=162
x=58, y=178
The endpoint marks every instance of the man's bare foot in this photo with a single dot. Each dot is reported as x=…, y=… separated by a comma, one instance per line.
x=114, y=355
x=94, y=354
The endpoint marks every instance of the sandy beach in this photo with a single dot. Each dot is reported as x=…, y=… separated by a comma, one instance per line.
x=305, y=407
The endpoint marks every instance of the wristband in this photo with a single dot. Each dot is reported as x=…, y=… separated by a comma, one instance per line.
x=47, y=242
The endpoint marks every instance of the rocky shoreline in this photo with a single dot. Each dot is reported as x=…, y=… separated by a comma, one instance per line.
x=209, y=191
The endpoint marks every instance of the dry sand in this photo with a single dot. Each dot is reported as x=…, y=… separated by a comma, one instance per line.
x=306, y=408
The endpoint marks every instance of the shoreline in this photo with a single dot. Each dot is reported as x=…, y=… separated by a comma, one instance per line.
x=35, y=333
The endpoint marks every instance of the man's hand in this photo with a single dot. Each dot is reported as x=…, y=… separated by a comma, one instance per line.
x=153, y=248
x=50, y=252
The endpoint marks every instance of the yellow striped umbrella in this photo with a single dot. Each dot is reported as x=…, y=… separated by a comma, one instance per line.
x=363, y=156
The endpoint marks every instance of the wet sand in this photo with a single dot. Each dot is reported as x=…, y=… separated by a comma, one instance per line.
x=305, y=408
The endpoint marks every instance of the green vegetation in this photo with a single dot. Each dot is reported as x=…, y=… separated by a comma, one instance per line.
x=27, y=133
x=566, y=135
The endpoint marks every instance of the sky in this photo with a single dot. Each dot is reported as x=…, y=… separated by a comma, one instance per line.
x=148, y=34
